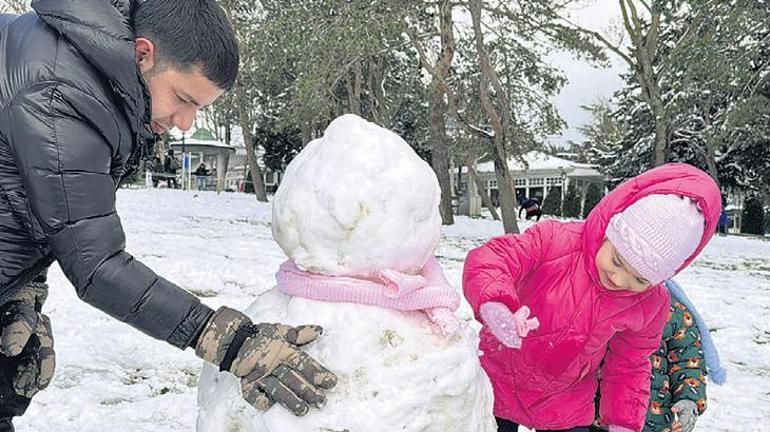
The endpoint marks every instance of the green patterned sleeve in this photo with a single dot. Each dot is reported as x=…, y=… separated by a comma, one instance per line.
x=686, y=367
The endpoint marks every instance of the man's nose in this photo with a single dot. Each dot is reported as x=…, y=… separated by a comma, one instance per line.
x=185, y=118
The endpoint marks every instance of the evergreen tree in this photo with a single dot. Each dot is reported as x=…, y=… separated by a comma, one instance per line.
x=571, y=205
x=552, y=203
x=280, y=144
x=753, y=218
x=714, y=94
x=593, y=196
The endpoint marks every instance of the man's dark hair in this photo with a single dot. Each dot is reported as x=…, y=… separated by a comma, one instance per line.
x=189, y=33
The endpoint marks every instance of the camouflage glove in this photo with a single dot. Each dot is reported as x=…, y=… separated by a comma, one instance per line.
x=22, y=324
x=268, y=360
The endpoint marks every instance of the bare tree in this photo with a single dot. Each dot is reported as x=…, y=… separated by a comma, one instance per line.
x=440, y=71
x=500, y=118
x=648, y=58
x=239, y=104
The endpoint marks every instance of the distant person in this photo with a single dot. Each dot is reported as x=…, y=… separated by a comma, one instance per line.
x=201, y=176
x=170, y=165
x=157, y=165
x=532, y=208
x=724, y=222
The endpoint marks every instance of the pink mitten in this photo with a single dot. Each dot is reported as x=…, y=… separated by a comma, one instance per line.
x=508, y=327
x=615, y=428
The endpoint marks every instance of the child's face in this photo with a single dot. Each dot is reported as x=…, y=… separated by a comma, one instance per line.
x=615, y=273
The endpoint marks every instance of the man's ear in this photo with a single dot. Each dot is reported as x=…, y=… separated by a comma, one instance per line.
x=145, y=54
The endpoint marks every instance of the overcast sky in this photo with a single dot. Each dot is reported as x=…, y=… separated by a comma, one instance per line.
x=586, y=83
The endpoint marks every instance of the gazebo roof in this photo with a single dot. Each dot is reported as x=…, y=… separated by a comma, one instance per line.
x=203, y=134
x=201, y=141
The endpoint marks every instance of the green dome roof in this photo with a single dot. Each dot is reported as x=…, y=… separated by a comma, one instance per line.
x=203, y=134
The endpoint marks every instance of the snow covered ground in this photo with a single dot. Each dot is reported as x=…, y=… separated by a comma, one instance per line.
x=111, y=377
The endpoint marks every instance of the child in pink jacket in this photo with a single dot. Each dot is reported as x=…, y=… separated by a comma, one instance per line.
x=562, y=296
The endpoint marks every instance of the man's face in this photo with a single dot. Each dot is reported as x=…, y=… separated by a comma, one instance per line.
x=177, y=95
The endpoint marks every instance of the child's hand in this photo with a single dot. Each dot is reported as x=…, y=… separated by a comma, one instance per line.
x=685, y=415
x=509, y=328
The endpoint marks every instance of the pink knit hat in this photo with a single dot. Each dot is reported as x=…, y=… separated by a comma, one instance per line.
x=656, y=234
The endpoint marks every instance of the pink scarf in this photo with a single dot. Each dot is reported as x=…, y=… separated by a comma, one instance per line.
x=429, y=292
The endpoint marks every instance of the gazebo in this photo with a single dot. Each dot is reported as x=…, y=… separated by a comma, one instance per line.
x=203, y=147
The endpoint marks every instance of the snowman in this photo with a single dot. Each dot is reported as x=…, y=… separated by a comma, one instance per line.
x=357, y=216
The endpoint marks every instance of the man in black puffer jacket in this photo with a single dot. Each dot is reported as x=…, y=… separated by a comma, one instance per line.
x=85, y=86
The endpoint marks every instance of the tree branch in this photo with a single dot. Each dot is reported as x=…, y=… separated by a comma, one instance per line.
x=421, y=52
x=599, y=37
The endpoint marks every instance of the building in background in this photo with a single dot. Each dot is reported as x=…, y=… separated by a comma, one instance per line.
x=535, y=177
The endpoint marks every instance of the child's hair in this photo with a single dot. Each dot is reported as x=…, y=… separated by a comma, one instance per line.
x=657, y=234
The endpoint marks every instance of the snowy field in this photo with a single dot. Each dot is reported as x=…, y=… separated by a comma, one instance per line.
x=111, y=377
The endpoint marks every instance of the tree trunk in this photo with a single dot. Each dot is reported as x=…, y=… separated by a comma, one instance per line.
x=661, y=129
x=482, y=190
x=711, y=163
x=645, y=46
x=439, y=151
x=439, y=154
x=306, y=132
x=500, y=123
x=648, y=83
x=711, y=143
x=353, y=88
x=438, y=105
x=251, y=160
x=507, y=195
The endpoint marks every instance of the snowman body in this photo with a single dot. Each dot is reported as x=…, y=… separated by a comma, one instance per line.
x=396, y=373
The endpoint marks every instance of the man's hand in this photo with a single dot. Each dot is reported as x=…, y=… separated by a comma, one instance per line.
x=685, y=415
x=268, y=360
x=22, y=324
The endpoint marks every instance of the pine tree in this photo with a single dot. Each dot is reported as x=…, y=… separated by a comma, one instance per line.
x=552, y=203
x=593, y=196
x=716, y=99
x=571, y=205
x=753, y=218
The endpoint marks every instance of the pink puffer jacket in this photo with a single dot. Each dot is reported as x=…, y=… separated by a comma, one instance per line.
x=551, y=381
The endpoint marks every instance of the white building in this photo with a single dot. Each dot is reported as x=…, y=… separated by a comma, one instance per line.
x=538, y=175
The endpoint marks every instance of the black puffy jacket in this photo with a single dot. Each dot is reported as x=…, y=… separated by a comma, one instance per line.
x=74, y=122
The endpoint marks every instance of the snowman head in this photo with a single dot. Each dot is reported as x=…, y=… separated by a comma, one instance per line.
x=356, y=201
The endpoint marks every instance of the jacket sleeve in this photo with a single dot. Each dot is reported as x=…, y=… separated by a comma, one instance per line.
x=493, y=270
x=685, y=361
x=626, y=373
x=64, y=141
